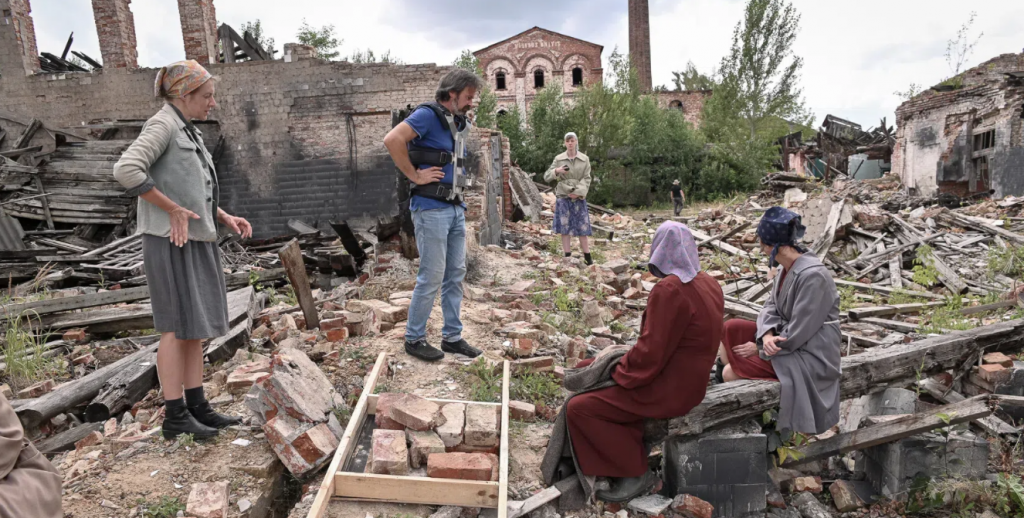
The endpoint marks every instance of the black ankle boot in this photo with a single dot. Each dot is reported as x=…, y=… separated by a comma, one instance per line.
x=626, y=489
x=200, y=409
x=588, y=259
x=178, y=420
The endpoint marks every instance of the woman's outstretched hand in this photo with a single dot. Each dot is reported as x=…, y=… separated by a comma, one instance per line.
x=180, y=217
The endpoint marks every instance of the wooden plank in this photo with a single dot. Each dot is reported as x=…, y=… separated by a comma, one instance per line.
x=92, y=300
x=894, y=430
x=897, y=249
x=725, y=247
x=893, y=309
x=503, y=452
x=824, y=243
x=329, y=486
x=416, y=490
x=896, y=365
x=12, y=153
x=45, y=202
x=291, y=259
x=902, y=327
x=896, y=271
x=989, y=307
x=992, y=425
x=26, y=136
x=951, y=217
x=871, y=288
x=65, y=441
x=534, y=502
x=947, y=275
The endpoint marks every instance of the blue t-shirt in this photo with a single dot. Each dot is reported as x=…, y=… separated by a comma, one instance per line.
x=434, y=136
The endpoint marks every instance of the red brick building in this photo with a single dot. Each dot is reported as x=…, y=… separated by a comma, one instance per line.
x=518, y=68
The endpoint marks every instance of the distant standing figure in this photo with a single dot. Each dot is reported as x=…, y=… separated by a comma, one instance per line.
x=572, y=170
x=677, y=197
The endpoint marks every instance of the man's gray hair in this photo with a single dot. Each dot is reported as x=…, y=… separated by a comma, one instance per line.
x=456, y=81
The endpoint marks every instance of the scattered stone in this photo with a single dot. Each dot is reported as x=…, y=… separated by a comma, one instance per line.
x=415, y=412
x=810, y=507
x=244, y=505
x=844, y=496
x=389, y=455
x=617, y=266
x=301, y=447
x=690, y=506
x=208, y=500
x=775, y=498
x=522, y=411
x=109, y=505
x=92, y=439
x=109, y=427
x=463, y=466
x=801, y=484
x=451, y=432
x=482, y=425
x=652, y=505
x=523, y=347
x=448, y=511
x=394, y=314
x=421, y=445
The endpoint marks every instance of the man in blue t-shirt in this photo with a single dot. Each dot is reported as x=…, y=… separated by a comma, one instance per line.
x=440, y=222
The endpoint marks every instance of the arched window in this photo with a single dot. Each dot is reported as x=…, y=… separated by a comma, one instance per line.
x=499, y=80
x=502, y=112
x=577, y=76
x=538, y=78
x=676, y=105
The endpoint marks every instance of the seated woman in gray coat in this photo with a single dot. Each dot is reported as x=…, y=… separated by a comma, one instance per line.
x=172, y=173
x=796, y=338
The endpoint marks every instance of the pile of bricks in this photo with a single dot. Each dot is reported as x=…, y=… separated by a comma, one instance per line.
x=419, y=437
x=296, y=403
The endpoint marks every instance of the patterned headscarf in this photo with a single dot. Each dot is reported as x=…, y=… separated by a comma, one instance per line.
x=674, y=252
x=180, y=79
x=780, y=227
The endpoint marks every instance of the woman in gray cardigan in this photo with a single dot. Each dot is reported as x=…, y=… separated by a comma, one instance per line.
x=172, y=173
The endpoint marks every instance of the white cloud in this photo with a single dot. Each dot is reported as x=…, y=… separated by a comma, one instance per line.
x=856, y=53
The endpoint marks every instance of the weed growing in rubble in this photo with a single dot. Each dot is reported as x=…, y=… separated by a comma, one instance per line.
x=555, y=247
x=1008, y=261
x=948, y=318
x=924, y=273
x=847, y=298
x=167, y=507
x=485, y=385
x=187, y=440
x=23, y=352
x=902, y=297
x=342, y=413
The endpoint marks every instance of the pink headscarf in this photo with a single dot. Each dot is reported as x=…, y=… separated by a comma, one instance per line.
x=180, y=79
x=674, y=252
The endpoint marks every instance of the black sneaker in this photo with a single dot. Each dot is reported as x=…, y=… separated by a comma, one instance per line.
x=460, y=347
x=422, y=350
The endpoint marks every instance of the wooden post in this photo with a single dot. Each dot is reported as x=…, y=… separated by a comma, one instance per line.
x=291, y=258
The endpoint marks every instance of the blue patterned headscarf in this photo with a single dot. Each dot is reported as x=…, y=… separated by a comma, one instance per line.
x=780, y=227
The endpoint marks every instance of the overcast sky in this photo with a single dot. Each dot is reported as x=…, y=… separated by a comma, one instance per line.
x=857, y=53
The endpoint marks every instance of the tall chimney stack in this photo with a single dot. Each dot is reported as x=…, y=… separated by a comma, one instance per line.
x=640, y=42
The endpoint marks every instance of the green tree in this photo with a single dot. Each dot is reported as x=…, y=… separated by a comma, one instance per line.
x=255, y=29
x=691, y=79
x=761, y=72
x=468, y=61
x=512, y=125
x=369, y=56
x=323, y=40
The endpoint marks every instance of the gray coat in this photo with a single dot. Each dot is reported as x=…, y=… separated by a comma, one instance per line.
x=166, y=158
x=806, y=313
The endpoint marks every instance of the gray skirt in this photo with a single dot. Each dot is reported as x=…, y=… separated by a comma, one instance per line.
x=186, y=288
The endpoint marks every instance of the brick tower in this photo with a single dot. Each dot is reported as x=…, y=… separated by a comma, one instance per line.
x=640, y=42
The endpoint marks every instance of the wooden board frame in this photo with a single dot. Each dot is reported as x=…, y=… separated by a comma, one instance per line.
x=345, y=486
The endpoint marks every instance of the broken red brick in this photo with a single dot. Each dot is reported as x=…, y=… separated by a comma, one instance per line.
x=85, y=359
x=528, y=365
x=39, y=389
x=523, y=346
x=689, y=506
x=998, y=358
x=394, y=314
x=92, y=439
x=208, y=500
x=802, y=484
x=421, y=445
x=334, y=323
x=482, y=425
x=522, y=411
x=462, y=466
x=338, y=335
x=389, y=454
x=994, y=373
x=384, y=402
x=415, y=412
x=76, y=335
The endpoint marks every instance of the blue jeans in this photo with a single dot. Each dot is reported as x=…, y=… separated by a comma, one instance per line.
x=441, y=239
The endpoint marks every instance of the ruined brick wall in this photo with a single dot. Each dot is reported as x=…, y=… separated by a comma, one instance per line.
x=552, y=54
x=933, y=149
x=303, y=139
x=640, y=42
x=199, y=30
x=115, y=26
x=690, y=103
x=18, y=52
x=490, y=203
